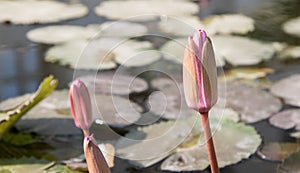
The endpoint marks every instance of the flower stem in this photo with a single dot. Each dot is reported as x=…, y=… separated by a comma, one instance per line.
x=209, y=143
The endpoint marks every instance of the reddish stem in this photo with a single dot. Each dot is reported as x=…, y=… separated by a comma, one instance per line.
x=86, y=132
x=209, y=143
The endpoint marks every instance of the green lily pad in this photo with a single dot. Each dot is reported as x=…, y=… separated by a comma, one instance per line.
x=113, y=83
x=35, y=11
x=29, y=164
x=249, y=52
x=138, y=9
x=290, y=164
x=288, y=89
x=278, y=151
x=12, y=110
x=286, y=119
x=233, y=143
x=20, y=139
x=173, y=50
x=291, y=52
x=57, y=168
x=58, y=34
x=229, y=24
x=103, y=53
x=241, y=98
x=148, y=145
x=248, y=73
x=292, y=26
x=180, y=26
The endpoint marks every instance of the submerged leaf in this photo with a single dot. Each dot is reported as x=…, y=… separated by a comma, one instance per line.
x=288, y=89
x=252, y=103
x=34, y=11
x=12, y=112
x=277, y=151
x=233, y=142
x=29, y=164
x=138, y=9
x=57, y=168
x=290, y=164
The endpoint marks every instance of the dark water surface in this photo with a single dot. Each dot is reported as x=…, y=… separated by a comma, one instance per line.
x=22, y=66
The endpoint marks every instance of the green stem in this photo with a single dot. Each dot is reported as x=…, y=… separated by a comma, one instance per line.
x=209, y=143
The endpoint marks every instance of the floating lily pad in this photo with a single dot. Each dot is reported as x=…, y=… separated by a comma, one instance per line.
x=291, y=52
x=60, y=33
x=35, y=11
x=288, y=89
x=12, y=110
x=120, y=84
x=287, y=119
x=252, y=103
x=248, y=73
x=295, y=135
x=278, y=151
x=173, y=50
x=149, y=145
x=180, y=26
x=229, y=24
x=233, y=143
x=103, y=53
x=292, y=26
x=115, y=111
x=138, y=9
x=29, y=164
x=290, y=164
x=249, y=52
x=112, y=29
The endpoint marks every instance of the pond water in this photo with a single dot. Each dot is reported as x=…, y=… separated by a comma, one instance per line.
x=22, y=66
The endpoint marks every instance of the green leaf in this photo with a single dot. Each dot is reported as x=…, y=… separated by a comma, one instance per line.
x=11, y=116
x=31, y=164
x=61, y=169
x=290, y=164
x=20, y=139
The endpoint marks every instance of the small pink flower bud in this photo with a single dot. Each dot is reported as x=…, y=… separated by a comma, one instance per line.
x=81, y=106
x=94, y=158
x=200, y=73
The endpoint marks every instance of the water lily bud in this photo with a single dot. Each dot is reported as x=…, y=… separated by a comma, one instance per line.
x=200, y=73
x=94, y=158
x=81, y=106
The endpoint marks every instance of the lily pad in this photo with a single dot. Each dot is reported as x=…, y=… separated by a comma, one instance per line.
x=112, y=29
x=229, y=24
x=35, y=11
x=11, y=111
x=159, y=140
x=252, y=103
x=288, y=89
x=248, y=73
x=119, y=84
x=291, y=52
x=278, y=151
x=29, y=164
x=57, y=168
x=60, y=33
x=173, y=50
x=180, y=26
x=233, y=142
x=115, y=111
x=292, y=26
x=249, y=52
x=138, y=9
x=287, y=119
x=103, y=53
x=290, y=164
